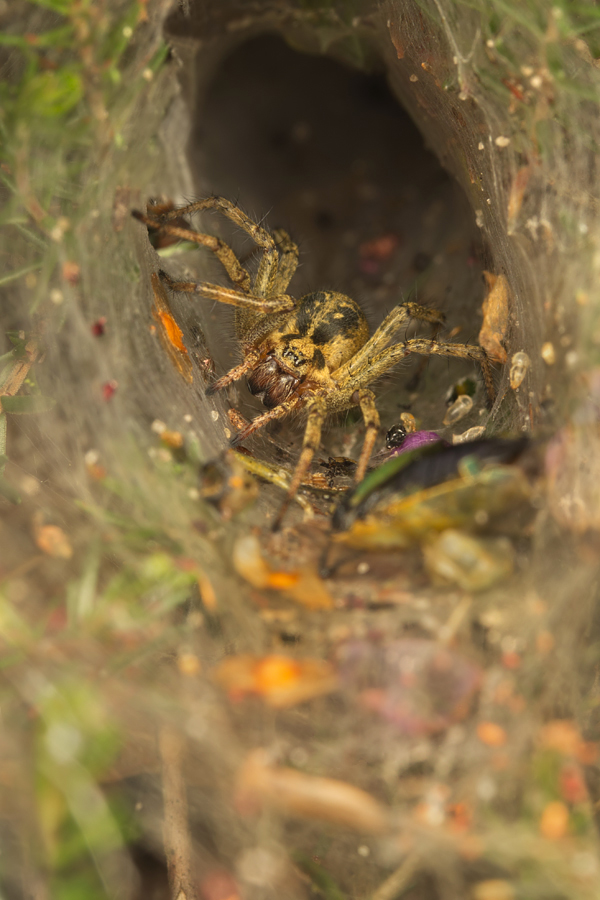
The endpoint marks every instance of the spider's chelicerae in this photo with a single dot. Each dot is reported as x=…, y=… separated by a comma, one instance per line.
x=312, y=353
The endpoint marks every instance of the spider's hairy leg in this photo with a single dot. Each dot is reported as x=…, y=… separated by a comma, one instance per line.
x=366, y=400
x=288, y=262
x=268, y=265
x=260, y=235
x=312, y=438
x=355, y=367
x=375, y=366
x=231, y=296
x=462, y=351
x=425, y=314
x=260, y=421
x=397, y=319
x=236, y=272
x=371, y=369
x=234, y=374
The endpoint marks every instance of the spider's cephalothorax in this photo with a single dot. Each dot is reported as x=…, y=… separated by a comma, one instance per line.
x=299, y=357
x=314, y=353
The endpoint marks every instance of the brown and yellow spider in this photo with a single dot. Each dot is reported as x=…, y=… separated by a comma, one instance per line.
x=314, y=353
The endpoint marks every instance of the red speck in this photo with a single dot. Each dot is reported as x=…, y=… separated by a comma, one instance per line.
x=511, y=660
x=219, y=885
x=460, y=816
x=572, y=785
x=380, y=248
x=108, y=389
x=57, y=619
x=99, y=326
x=515, y=89
x=377, y=251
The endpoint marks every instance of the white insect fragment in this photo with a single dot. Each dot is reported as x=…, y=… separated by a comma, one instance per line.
x=548, y=353
x=458, y=410
x=471, y=434
x=519, y=365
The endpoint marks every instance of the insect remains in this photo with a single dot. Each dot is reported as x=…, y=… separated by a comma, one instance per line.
x=313, y=353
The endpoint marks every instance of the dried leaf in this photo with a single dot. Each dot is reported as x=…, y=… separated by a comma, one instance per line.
x=279, y=680
x=169, y=332
x=53, y=541
x=303, y=585
x=296, y=794
x=495, y=316
x=491, y=734
x=515, y=197
x=554, y=823
x=396, y=38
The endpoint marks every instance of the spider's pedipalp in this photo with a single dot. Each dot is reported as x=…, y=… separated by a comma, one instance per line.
x=424, y=314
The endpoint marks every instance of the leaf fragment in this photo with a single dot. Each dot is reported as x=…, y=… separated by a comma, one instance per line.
x=495, y=309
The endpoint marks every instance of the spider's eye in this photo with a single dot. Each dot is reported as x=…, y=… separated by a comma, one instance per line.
x=292, y=356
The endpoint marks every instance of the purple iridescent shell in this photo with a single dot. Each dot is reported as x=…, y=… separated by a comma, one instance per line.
x=415, y=439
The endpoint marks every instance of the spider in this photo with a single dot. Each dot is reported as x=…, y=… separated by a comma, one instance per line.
x=313, y=353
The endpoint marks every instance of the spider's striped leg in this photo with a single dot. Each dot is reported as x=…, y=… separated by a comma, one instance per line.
x=267, y=269
x=317, y=411
x=288, y=262
x=372, y=421
x=361, y=362
x=231, y=296
x=234, y=374
x=399, y=317
x=462, y=351
x=260, y=421
x=236, y=272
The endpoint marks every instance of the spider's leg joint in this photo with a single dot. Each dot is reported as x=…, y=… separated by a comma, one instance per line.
x=166, y=279
x=241, y=436
x=148, y=221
